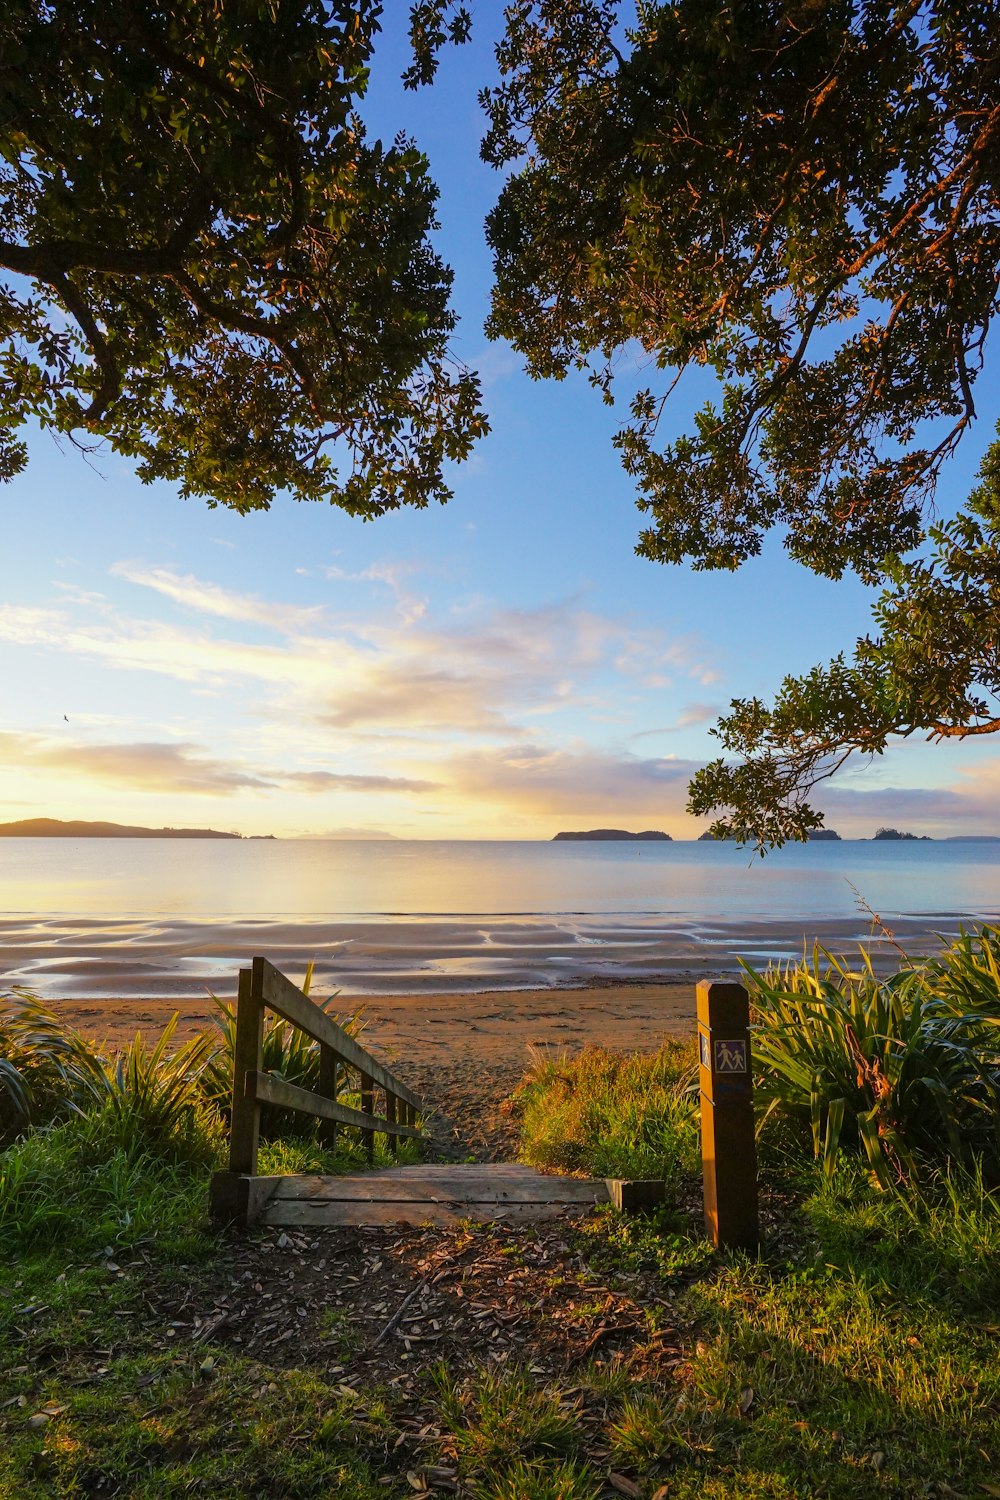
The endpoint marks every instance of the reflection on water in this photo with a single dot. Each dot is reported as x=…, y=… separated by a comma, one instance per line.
x=160, y=917
x=320, y=878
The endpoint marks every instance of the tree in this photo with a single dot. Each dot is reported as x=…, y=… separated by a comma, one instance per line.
x=803, y=197
x=209, y=266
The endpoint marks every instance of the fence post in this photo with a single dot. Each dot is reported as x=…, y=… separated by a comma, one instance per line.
x=248, y=1057
x=390, y=1117
x=728, y=1145
x=368, y=1108
x=328, y=1069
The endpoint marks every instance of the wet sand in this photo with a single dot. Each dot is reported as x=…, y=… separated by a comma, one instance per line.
x=177, y=959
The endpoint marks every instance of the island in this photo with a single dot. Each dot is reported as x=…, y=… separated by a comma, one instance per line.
x=815, y=836
x=894, y=833
x=598, y=834
x=58, y=828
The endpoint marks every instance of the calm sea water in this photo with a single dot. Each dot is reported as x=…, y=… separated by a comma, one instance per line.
x=120, y=916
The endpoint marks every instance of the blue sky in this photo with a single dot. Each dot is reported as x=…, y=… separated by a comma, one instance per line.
x=502, y=667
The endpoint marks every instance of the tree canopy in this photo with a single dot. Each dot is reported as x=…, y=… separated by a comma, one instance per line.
x=207, y=264
x=802, y=197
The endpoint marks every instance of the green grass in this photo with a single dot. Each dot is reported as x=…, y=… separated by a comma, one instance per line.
x=855, y=1356
x=611, y=1114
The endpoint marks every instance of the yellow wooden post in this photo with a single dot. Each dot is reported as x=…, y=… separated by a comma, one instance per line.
x=728, y=1146
x=244, y=1131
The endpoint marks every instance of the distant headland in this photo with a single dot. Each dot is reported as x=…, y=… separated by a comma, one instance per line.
x=597, y=834
x=57, y=828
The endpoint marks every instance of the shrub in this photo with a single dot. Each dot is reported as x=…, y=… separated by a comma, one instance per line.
x=903, y=1066
x=146, y=1101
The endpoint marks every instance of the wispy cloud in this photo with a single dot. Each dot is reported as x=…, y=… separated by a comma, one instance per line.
x=578, y=782
x=325, y=781
x=692, y=716
x=185, y=767
x=205, y=598
x=152, y=766
x=479, y=675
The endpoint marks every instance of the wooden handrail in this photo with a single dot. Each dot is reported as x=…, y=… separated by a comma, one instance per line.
x=280, y=995
x=262, y=987
x=267, y=1089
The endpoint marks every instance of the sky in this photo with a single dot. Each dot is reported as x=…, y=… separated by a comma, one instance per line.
x=500, y=667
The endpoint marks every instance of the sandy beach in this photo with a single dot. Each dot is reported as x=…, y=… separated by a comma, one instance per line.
x=463, y=1053
x=493, y=1029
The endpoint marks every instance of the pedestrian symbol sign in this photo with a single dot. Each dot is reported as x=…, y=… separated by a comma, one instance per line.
x=730, y=1056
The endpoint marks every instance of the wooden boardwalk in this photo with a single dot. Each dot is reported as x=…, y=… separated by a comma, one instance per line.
x=423, y=1195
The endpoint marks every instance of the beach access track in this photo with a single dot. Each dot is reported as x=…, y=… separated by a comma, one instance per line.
x=439, y=1194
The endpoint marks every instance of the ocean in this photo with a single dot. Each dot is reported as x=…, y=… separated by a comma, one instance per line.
x=160, y=917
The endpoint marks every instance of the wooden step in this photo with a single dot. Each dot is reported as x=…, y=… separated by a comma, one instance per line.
x=428, y=1195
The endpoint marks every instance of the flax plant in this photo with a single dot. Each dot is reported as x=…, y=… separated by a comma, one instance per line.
x=47, y=1069
x=906, y=1066
x=154, y=1101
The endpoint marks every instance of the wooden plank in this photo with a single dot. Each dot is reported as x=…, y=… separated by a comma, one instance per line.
x=244, y=1130
x=472, y=1169
x=304, y=1211
x=268, y=1089
x=282, y=997
x=397, y=1189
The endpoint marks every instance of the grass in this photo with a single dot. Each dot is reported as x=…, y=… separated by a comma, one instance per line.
x=610, y=1114
x=855, y=1356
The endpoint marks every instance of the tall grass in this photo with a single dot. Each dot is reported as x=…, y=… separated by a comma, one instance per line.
x=611, y=1114
x=100, y=1145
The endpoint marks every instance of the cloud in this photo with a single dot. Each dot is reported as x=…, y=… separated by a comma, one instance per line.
x=578, y=782
x=482, y=673
x=350, y=833
x=404, y=695
x=211, y=599
x=325, y=781
x=409, y=606
x=152, y=766
x=494, y=363
x=690, y=717
x=972, y=805
x=185, y=767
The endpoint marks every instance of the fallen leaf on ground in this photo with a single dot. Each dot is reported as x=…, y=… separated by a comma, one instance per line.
x=625, y=1486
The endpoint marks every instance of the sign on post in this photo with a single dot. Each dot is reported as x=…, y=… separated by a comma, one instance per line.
x=728, y=1148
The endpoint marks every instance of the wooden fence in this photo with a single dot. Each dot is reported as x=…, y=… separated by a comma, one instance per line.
x=235, y=1193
